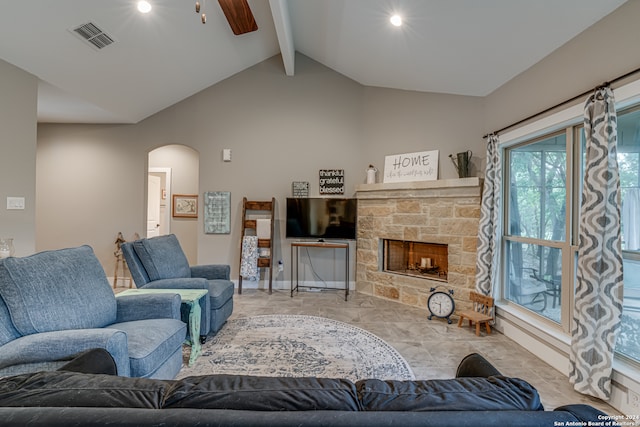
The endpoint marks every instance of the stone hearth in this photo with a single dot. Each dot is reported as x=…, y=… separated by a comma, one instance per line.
x=442, y=212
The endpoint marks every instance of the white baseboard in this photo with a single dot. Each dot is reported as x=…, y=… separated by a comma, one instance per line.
x=286, y=284
x=264, y=284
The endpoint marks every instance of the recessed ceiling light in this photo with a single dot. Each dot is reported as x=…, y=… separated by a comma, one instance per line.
x=144, y=6
x=396, y=20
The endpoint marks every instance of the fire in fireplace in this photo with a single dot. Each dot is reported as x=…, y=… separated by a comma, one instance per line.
x=419, y=259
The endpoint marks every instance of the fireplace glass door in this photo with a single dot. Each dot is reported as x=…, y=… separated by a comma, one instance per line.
x=420, y=259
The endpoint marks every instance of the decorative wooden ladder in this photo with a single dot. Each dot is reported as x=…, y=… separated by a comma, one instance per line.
x=249, y=228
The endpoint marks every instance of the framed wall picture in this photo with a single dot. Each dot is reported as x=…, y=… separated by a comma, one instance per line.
x=217, y=212
x=185, y=206
x=300, y=188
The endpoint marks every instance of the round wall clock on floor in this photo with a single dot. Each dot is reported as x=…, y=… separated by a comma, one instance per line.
x=441, y=304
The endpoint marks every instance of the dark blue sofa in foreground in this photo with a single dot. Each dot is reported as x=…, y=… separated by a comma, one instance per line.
x=479, y=396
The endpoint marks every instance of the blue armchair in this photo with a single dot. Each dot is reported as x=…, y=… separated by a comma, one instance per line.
x=159, y=262
x=57, y=304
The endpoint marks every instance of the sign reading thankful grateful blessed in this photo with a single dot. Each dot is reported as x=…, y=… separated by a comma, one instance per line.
x=331, y=181
x=420, y=166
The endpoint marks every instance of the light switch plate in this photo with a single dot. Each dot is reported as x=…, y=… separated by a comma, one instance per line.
x=15, y=202
x=226, y=154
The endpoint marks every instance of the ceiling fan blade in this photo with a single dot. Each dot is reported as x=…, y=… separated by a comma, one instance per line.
x=239, y=15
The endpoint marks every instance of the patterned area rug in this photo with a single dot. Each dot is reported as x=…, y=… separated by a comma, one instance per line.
x=296, y=346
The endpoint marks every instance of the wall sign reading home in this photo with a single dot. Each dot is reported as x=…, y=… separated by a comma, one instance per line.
x=331, y=181
x=419, y=166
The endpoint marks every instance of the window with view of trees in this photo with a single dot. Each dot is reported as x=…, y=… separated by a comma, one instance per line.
x=536, y=219
x=541, y=213
x=628, y=156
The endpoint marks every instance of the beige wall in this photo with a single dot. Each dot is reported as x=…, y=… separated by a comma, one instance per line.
x=602, y=52
x=90, y=185
x=280, y=129
x=397, y=121
x=18, y=115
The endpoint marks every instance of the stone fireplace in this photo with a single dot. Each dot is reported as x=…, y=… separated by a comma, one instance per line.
x=415, y=236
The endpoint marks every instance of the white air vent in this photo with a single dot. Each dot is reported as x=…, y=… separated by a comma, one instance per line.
x=94, y=35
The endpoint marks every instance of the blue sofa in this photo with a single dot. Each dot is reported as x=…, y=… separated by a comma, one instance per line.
x=57, y=304
x=159, y=262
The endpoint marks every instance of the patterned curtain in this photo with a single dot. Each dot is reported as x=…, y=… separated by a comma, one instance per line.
x=598, y=295
x=489, y=228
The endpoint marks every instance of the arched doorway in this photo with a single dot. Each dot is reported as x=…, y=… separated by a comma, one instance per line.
x=172, y=169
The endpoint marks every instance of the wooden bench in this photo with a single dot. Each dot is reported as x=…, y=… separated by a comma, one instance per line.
x=482, y=312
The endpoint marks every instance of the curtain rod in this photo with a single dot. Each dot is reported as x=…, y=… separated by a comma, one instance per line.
x=605, y=84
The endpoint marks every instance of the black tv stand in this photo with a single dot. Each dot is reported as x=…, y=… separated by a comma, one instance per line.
x=295, y=255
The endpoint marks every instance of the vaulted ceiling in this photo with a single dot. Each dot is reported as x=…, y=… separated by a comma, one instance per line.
x=466, y=47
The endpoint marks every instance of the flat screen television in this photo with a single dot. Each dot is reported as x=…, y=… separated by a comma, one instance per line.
x=321, y=218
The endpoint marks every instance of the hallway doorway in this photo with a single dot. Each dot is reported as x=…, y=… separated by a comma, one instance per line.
x=176, y=167
x=158, y=201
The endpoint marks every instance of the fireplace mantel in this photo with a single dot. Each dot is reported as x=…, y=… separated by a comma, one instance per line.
x=463, y=187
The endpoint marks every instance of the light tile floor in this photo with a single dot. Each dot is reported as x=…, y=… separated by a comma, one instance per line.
x=433, y=348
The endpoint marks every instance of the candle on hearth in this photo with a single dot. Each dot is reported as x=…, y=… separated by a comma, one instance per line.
x=423, y=262
x=429, y=263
